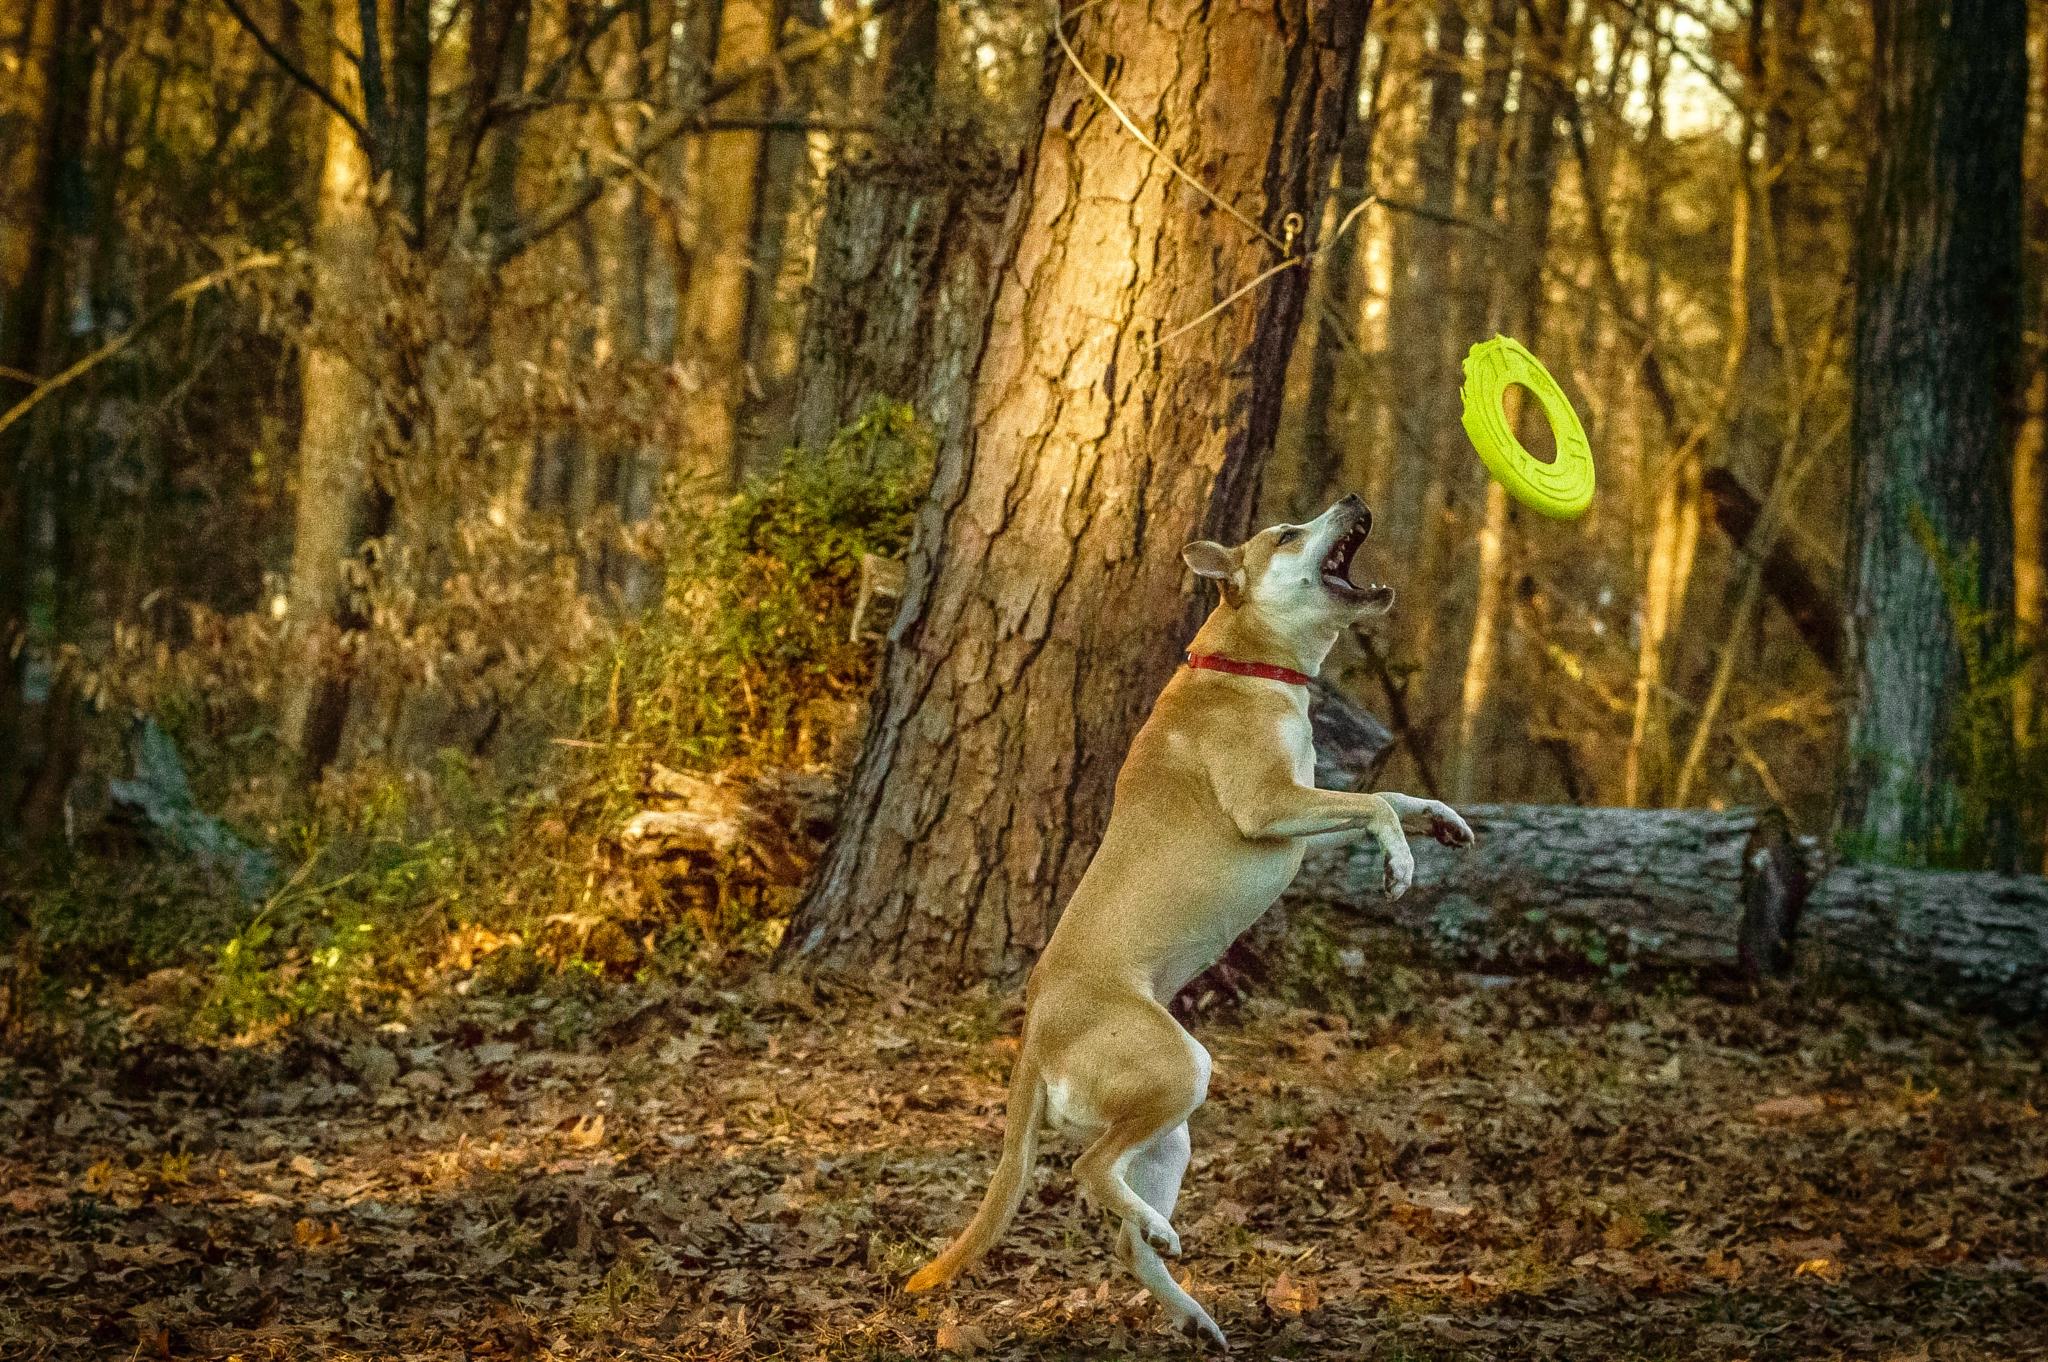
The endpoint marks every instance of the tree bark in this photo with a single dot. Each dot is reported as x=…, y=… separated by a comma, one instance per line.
x=1549, y=887
x=1937, y=347
x=337, y=392
x=722, y=175
x=50, y=477
x=1670, y=886
x=1326, y=460
x=783, y=165
x=908, y=255
x=908, y=261
x=1046, y=602
x=1418, y=308
x=27, y=264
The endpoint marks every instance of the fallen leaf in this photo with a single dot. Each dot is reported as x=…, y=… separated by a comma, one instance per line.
x=1290, y=1297
x=1789, y=1108
x=961, y=1338
x=313, y=1234
x=588, y=1130
x=1827, y=1269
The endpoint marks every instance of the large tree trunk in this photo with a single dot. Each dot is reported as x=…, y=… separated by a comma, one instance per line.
x=908, y=259
x=909, y=251
x=336, y=392
x=1046, y=602
x=1937, y=345
x=1550, y=886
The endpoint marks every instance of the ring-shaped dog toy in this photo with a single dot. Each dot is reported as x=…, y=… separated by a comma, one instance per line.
x=1562, y=489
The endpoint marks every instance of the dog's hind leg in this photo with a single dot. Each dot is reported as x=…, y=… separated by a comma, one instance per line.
x=1154, y=1174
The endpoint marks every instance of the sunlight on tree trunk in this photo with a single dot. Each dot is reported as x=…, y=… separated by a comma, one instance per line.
x=1479, y=654
x=1418, y=313
x=1046, y=601
x=1546, y=71
x=337, y=395
x=723, y=169
x=2028, y=491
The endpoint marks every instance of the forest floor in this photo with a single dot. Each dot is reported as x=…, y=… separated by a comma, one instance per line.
x=1535, y=1170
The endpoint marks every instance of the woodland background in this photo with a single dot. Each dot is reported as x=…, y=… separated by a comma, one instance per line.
x=436, y=437
x=444, y=448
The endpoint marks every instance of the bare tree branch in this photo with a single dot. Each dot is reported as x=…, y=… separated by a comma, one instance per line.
x=182, y=294
x=587, y=187
x=319, y=91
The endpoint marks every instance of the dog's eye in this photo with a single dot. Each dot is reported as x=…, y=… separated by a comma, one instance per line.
x=1287, y=537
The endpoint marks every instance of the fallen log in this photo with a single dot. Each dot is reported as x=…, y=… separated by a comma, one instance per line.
x=1730, y=892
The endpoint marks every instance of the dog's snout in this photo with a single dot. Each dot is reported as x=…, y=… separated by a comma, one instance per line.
x=1353, y=508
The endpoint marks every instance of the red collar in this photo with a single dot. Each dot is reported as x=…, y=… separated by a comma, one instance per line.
x=1216, y=662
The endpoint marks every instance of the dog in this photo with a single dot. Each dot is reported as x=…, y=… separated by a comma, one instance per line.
x=1213, y=810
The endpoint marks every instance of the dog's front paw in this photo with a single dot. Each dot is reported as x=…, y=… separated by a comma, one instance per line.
x=1447, y=827
x=1400, y=869
x=1159, y=1233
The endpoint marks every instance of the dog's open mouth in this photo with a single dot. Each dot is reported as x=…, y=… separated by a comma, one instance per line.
x=1337, y=564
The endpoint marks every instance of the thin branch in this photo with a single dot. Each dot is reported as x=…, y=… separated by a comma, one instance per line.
x=277, y=54
x=588, y=187
x=1397, y=709
x=182, y=294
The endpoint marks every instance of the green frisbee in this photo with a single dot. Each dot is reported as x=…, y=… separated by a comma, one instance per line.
x=1562, y=489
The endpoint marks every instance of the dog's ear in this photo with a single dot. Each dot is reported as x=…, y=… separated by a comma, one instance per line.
x=1210, y=559
x=1223, y=566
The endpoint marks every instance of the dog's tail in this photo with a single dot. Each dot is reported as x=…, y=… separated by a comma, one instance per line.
x=1005, y=1188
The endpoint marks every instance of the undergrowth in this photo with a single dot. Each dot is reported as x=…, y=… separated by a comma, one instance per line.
x=403, y=881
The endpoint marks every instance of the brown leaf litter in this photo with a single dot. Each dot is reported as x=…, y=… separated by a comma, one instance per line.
x=1505, y=1173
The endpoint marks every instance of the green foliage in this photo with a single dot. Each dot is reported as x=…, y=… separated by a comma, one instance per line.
x=406, y=877
x=754, y=626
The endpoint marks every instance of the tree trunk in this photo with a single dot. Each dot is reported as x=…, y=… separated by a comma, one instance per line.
x=1937, y=347
x=1046, y=602
x=908, y=260
x=1671, y=886
x=50, y=474
x=1325, y=460
x=27, y=268
x=1549, y=887
x=908, y=255
x=784, y=161
x=1418, y=310
x=722, y=173
x=1454, y=519
x=337, y=394
x=1544, y=82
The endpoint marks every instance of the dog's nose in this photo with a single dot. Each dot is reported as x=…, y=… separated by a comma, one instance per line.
x=1352, y=502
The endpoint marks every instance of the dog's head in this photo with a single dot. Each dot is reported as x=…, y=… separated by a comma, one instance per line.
x=1297, y=578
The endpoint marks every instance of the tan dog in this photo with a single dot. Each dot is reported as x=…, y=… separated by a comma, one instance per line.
x=1213, y=810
